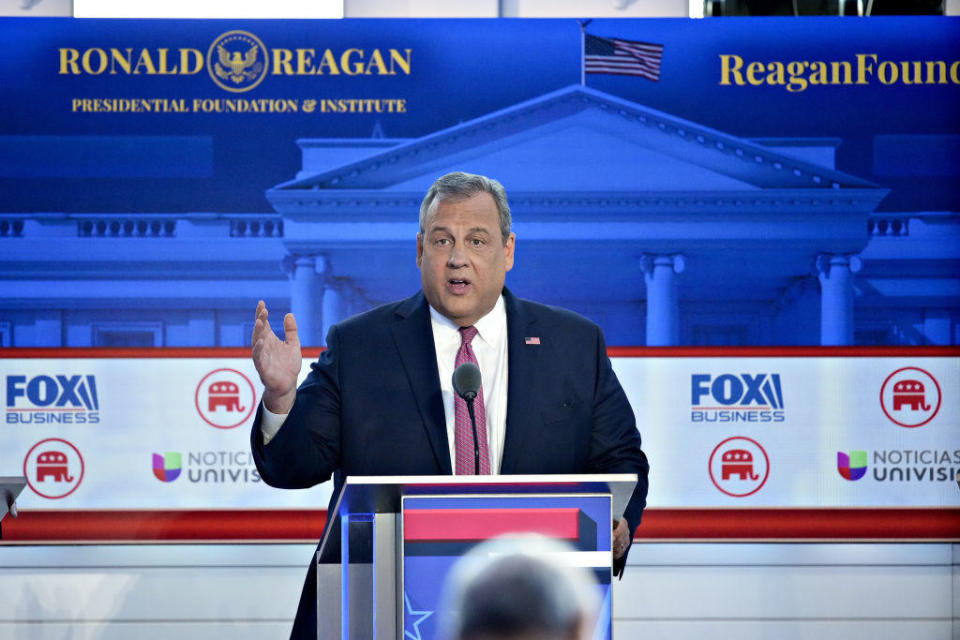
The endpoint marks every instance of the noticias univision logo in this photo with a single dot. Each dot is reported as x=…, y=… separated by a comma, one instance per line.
x=206, y=467
x=167, y=467
x=853, y=465
x=736, y=398
x=901, y=465
x=44, y=399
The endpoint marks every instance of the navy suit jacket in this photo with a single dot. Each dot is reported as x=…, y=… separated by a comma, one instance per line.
x=371, y=405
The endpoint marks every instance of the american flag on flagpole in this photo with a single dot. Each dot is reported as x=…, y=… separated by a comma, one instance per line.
x=622, y=57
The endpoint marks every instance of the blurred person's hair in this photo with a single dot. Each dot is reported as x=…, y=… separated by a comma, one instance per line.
x=518, y=587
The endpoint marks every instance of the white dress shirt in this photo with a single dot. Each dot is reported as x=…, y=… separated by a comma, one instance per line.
x=490, y=347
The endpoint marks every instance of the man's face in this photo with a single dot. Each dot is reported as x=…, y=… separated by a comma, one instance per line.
x=462, y=257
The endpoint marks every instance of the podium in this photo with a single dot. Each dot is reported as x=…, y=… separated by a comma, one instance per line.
x=383, y=560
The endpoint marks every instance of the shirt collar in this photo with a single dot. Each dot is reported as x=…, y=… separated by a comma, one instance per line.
x=491, y=328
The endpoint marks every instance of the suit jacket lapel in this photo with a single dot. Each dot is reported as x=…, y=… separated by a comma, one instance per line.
x=414, y=339
x=522, y=362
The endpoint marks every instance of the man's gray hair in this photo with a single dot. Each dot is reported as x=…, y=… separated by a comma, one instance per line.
x=518, y=587
x=458, y=185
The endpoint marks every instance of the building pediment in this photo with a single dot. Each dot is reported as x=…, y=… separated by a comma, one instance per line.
x=580, y=140
x=656, y=183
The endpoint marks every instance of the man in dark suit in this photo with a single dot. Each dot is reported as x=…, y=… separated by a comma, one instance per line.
x=380, y=401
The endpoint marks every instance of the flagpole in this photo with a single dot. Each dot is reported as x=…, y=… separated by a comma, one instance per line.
x=583, y=51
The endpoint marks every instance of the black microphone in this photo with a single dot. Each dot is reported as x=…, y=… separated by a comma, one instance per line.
x=466, y=382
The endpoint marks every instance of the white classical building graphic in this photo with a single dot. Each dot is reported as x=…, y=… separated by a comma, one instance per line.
x=663, y=231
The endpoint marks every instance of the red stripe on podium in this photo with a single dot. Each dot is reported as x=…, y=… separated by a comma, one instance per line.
x=463, y=525
x=921, y=524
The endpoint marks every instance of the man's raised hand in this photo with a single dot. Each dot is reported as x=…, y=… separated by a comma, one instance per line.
x=277, y=361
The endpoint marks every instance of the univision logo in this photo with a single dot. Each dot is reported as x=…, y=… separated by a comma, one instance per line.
x=206, y=467
x=852, y=466
x=901, y=465
x=167, y=467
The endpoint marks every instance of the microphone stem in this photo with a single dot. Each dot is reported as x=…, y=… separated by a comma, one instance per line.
x=476, y=443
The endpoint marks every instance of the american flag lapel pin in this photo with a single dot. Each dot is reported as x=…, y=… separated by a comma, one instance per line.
x=531, y=340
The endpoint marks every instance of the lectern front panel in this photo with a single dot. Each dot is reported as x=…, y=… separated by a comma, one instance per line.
x=437, y=531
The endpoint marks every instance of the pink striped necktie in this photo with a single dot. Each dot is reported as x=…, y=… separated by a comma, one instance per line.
x=463, y=431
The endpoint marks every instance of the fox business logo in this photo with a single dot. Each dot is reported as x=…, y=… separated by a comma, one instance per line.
x=65, y=399
x=736, y=398
x=236, y=61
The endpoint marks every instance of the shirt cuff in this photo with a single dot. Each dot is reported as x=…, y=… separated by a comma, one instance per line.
x=270, y=423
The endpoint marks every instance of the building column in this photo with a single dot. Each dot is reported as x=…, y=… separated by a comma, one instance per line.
x=937, y=326
x=49, y=331
x=798, y=313
x=332, y=305
x=201, y=328
x=835, y=273
x=663, y=309
x=306, y=297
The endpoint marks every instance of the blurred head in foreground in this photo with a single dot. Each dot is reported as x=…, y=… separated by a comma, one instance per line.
x=519, y=589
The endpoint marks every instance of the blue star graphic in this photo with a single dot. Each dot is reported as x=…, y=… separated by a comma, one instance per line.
x=420, y=617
